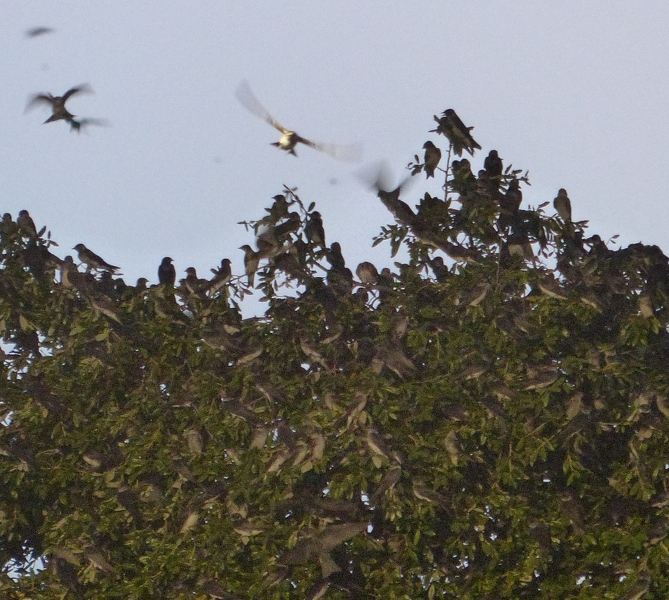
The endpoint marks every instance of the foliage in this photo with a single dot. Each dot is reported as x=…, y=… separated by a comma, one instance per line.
x=487, y=421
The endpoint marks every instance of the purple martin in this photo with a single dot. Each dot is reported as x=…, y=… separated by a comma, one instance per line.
x=335, y=257
x=493, y=164
x=367, y=273
x=167, y=274
x=92, y=260
x=314, y=230
x=79, y=124
x=251, y=261
x=221, y=277
x=26, y=224
x=454, y=129
x=562, y=205
x=290, y=139
x=431, y=158
x=193, y=283
x=440, y=270
x=57, y=103
x=511, y=201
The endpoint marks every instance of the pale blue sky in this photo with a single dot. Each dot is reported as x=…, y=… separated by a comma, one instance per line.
x=574, y=91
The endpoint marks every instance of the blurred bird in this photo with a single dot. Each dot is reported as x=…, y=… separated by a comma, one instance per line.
x=454, y=129
x=167, y=274
x=194, y=284
x=431, y=158
x=289, y=139
x=493, y=164
x=367, y=273
x=335, y=257
x=26, y=224
x=562, y=205
x=92, y=260
x=37, y=31
x=440, y=270
x=251, y=261
x=511, y=201
x=77, y=125
x=57, y=103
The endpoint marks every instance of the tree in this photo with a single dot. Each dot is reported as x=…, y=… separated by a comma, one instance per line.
x=488, y=420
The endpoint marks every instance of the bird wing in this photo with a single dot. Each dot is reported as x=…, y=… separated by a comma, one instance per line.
x=252, y=104
x=39, y=99
x=348, y=152
x=83, y=88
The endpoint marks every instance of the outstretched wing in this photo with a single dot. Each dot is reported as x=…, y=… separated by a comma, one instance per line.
x=39, y=99
x=252, y=104
x=348, y=152
x=83, y=88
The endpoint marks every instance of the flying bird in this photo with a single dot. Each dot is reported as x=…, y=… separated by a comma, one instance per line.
x=454, y=129
x=92, y=260
x=167, y=274
x=57, y=103
x=79, y=124
x=431, y=159
x=290, y=139
x=562, y=205
x=37, y=31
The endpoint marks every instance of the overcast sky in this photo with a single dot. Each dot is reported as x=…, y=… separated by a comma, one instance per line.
x=576, y=92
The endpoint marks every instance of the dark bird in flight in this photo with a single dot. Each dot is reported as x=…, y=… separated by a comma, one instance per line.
x=562, y=205
x=454, y=129
x=26, y=224
x=290, y=139
x=167, y=274
x=79, y=124
x=493, y=164
x=431, y=159
x=92, y=260
x=57, y=103
x=37, y=31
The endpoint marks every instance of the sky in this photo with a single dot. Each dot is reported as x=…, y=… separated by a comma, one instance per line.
x=575, y=92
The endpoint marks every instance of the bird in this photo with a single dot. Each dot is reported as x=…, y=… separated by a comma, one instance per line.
x=79, y=124
x=493, y=164
x=562, y=205
x=431, y=158
x=314, y=230
x=457, y=133
x=37, y=31
x=221, y=277
x=167, y=274
x=290, y=139
x=251, y=261
x=193, y=283
x=367, y=273
x=92, y=260
x=26, y=224
x=58, y=103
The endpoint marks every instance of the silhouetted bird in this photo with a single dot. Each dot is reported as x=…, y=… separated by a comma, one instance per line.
x=289, y=139
x=314, y=230
x=431, y=158
x=37, y=31
x=335, y=257
x=26, y=224
x=221, y=277
x=440, y=270
x=167, y=274
x=454, y=129
x=367, y=273
x=562, y=205
x=92, y=260
x=57, y=103
x=79, y=124
x=511, y=201
x=493, y=164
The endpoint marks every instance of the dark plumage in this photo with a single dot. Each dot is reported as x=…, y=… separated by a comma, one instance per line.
x=562, y=205
x=493, y=164
x=450, y=125
x=167, y=274
x=314, y=230
x=26, y=224
x=92, y=260
x=431, y=158
x=57, y=103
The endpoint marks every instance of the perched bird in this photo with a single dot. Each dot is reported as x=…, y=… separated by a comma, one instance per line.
x=37, y=31
x=511, y=201
x=7, y=225
x=493, y=164
x=314, y=230
x=431, y=158
x=167, y=274
x=335, y=257
x=92, y=260
x=562, y=205
x=454, y=129
x=26, y=224
x=290, y=139
x=440, y=270
x=193, y=283
x=221, y=277
x=367, y=273
x=58, y=103
x=251, y=261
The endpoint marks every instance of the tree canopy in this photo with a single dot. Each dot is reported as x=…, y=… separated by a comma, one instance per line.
x=488, y=419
